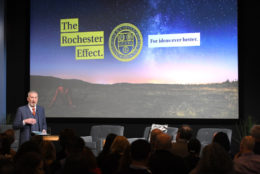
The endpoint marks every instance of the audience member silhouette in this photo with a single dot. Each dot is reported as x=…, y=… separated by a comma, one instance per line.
x=83, y=162
x=76, y=164
x=180, y=147
x=6, y=166
x=163, y=141
x=106, y=149
x=153, y=136
x=30, y=163
x=246, y=161
x=11, y=135
x=214, y=160
x=193, y=158
x=255, y=132
x=5, y=146
x=37, y=139
x=64, y=137
x=48, y=152
x=74, y=146
x=140, y=151
x=162, y=160
x=91, y=161
x=118, y=158
x=26, y=147
x=10, y=138
x=222, y=139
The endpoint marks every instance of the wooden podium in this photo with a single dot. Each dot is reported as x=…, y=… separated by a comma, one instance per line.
x=50, y=138
x=46, y=137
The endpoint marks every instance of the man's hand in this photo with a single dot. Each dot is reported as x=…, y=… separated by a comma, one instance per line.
x=29, y=121
x=44, y=131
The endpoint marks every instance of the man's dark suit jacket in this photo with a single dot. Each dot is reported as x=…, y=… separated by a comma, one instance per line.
x=24, y=112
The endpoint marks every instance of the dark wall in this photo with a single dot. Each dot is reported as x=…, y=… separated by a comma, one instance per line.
x=17, y=15
x=17, y=48
x=249, y=70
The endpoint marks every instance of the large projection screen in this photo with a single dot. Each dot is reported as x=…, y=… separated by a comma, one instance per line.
x=135, y=58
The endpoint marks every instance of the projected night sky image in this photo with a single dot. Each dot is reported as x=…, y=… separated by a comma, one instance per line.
x=186, y=44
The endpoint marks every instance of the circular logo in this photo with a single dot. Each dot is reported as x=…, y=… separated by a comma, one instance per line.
x=125, y=42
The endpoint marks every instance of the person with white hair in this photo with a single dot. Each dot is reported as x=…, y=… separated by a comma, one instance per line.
x=29, y=118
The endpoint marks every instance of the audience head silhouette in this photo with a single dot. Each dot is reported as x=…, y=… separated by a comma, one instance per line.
x=255, y=132
x=120, y=145
x=30, y=162
x=65, y=135
x=75, y=145
x=184, y=132
x=109, y=140
x=163, y=142
x=194, y=146
x=140, y=150
x=154, y=133
x=6, y=166
x=247, y=144
x=153, y=136
x=222, y=139
x=10, y=135
x=214, y=160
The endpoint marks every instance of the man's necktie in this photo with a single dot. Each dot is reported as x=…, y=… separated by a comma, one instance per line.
x=33, y=109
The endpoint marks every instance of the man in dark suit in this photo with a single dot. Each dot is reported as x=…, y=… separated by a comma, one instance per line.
x=30, y=118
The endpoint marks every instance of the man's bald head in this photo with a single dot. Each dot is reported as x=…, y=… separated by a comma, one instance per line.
x=154, y=133
x=163, y=141
x=247, y=143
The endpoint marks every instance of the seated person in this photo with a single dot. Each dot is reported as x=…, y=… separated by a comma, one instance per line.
x=180, y=147
x=246, y=161
x=105, y=151
x=214, y=160
x=222, y=139
x=6, y=140
x=193, y=158
x=153, y=135
x=255, y=132
x=140, y=151
x=118, y=158
x=162, y=160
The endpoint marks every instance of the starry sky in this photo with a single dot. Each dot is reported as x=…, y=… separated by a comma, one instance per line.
x=214, y=61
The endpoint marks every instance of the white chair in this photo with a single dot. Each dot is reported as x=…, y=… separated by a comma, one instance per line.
x=98, y=134
x=205, y=135
x=144, y=137
x=172, y=131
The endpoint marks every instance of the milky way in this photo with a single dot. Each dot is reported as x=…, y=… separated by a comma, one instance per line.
x=215, y=20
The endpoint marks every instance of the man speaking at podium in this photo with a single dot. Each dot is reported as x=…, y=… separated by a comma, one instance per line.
x=30, y=118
